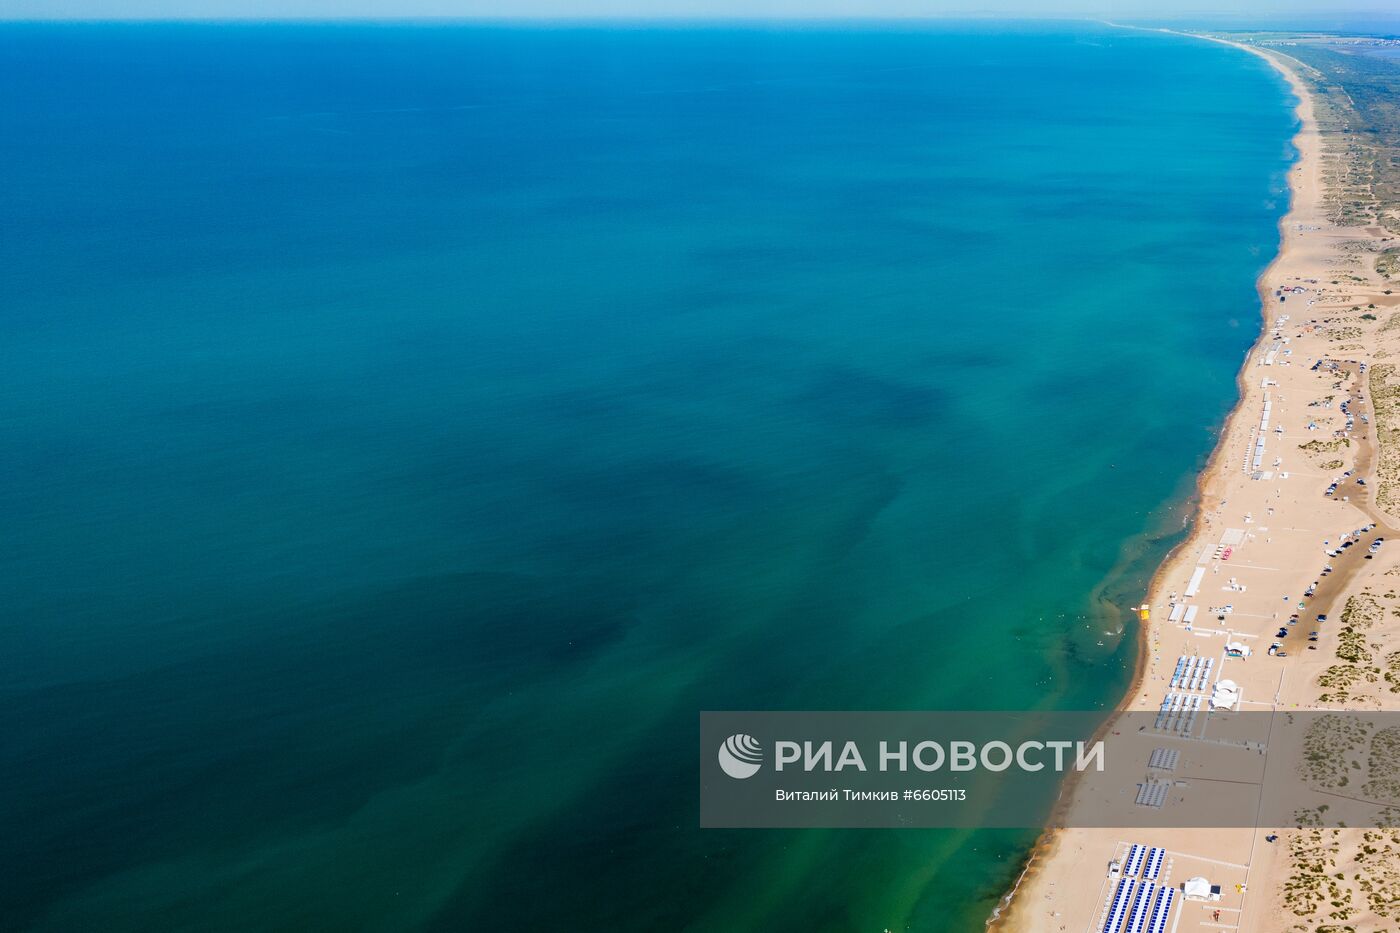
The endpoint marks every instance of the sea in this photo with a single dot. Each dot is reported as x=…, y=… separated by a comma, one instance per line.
x=409, y=428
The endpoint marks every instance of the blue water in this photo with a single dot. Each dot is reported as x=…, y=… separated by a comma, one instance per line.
x=409, y=429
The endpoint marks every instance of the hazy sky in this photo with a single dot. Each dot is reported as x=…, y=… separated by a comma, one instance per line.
x=102, y=9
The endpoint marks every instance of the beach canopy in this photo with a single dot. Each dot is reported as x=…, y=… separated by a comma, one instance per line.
x=1196, y=887
x=1225, y=695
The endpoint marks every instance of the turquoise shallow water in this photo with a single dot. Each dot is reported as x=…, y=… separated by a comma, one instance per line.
x=409, y=429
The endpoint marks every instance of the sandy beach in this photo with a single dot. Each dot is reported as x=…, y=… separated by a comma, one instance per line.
x=1290, y=508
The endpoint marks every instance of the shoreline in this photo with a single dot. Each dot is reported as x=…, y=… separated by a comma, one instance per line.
x=1207, y=495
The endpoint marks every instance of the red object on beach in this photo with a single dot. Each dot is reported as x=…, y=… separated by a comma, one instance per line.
x=1228, y=552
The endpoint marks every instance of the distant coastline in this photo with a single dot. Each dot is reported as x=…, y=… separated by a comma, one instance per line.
x=1013, y=913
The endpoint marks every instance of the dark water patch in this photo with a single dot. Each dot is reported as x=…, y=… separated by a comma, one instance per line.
x=632, y=487
x=849, y=396
x=357, y=697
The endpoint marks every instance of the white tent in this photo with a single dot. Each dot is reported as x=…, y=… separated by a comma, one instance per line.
x=1238, y=649
x=1225, y=696
x=1198, y=889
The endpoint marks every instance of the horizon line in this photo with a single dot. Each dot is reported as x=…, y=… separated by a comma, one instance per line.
x=975, y=15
